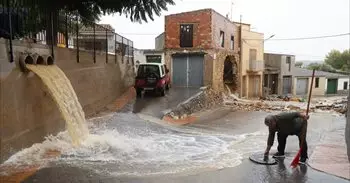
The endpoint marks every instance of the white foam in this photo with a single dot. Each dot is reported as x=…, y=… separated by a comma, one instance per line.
x=145, y=150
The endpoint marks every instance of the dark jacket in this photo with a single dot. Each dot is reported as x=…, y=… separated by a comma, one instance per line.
x=287, y=123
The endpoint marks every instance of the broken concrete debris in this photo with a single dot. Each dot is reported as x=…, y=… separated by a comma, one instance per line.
x=205, y=99
x=209, y=98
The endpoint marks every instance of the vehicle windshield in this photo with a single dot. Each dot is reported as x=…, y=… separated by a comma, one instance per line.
x=144, y=70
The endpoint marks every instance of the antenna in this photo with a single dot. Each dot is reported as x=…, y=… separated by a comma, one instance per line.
x=231, y=5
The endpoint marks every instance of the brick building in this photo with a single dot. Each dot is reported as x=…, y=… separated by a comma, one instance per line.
x=198, y=45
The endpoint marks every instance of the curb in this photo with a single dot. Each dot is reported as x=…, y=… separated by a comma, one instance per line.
x=123, y=100
x=17, y=174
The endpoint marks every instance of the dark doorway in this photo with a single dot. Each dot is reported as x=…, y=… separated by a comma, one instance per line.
x=229, y=74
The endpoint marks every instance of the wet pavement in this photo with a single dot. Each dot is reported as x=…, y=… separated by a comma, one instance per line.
x=156, y=106
x=214, y=149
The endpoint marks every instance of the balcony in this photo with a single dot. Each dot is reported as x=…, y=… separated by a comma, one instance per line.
x=256, y=65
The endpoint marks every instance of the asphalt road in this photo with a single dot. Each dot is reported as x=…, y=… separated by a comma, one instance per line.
x=181, y=140
x=156, y=106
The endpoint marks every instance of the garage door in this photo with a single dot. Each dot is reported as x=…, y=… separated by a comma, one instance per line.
x=188, y=70
x=287, y=85
x=332, y=85
x=302, y=85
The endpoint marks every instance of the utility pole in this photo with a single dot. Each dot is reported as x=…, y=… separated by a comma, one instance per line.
x=240, y=55
x=231, y=10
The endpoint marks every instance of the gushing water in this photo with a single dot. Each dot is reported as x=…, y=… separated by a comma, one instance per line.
x=67, y=102
x=125, y=144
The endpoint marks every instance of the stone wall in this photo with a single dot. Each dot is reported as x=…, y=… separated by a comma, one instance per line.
x=28, y=113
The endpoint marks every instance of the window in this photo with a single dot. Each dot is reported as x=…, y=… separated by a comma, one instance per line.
x=232, y=42
x=289, y=62
x=144, y=70
x=346, y=84
x=252, y=55
x=317, y=82
x=186, y=35
x=222, y=39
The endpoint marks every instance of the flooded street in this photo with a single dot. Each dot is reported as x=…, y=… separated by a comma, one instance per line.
x=138, y=148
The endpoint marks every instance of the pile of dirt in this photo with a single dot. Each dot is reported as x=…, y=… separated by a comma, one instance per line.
x=206, y=99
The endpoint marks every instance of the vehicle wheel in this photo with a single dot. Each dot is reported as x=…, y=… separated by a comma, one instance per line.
x=162, y=92
x=138, y=92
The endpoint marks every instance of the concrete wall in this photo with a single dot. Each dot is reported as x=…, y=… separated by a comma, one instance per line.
x=160, y=41
x=28, y=113
x=285, y=67
x=279, y=61
x=139, y=56
x=272, y=60
x=341, y=82
x=202, y=28
x=221, y=23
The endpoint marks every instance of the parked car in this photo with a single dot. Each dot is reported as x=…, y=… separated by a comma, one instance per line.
x=152, y=77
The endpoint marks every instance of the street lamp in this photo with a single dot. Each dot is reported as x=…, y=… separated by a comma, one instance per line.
x=273, y=35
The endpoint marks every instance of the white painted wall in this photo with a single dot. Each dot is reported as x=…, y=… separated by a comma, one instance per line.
x=161, y=54
x=341, y=83
x=139, y=56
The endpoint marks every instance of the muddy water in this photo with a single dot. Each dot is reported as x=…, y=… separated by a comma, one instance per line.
x=64, y=95
x=125, y=144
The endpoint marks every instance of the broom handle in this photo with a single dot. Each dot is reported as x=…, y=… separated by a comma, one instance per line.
x=312, y=83
x=307, y=109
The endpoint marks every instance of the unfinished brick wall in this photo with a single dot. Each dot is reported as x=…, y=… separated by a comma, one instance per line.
x=201, y=20
x=221, y=23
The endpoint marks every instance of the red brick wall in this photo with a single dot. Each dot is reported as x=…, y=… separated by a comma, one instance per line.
x=202, y=29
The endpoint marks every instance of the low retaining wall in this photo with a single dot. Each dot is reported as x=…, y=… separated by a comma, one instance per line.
x=28, y=113
x=205, y=99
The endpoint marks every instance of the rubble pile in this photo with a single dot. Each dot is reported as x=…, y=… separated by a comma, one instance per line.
x=339, y=106
x=282, y=98
x=207, y=99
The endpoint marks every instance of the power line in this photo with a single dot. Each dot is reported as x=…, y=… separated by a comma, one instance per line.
x=305, y=38
x=281, y=39
x=140, y=34
x=299, y=54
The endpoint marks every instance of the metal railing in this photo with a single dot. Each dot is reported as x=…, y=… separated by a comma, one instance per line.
x=27, y=20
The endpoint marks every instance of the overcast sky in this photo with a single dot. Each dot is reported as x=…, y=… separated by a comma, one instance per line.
x=283, y=18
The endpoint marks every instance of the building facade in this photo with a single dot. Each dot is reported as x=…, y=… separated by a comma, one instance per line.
x=252, y=61
x=278, y=73
x=198, y=45
x=325, y=83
